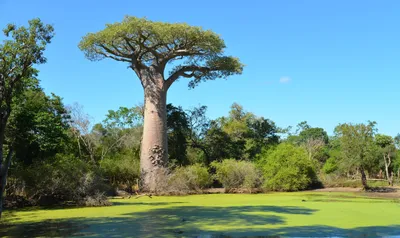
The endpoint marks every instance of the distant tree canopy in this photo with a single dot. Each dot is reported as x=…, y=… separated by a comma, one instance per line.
x=357, y=146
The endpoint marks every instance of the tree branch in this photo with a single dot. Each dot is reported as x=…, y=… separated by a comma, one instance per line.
x=118, y=57
x=182, y=72
x=113, y=57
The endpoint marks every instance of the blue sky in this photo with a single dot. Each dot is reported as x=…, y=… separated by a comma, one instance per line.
x=326, y=62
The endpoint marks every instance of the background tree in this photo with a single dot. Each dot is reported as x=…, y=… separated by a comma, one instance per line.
x=263, y=133
x=357, y=146
x=120, y=130
x=148, y=47
x=81, y=125
x=38, y=126
x=23, y=47
x=313, y=139
x=249, y=132
x=387, y=151
x=199, y=125
x=178, y=132
x=397, y=141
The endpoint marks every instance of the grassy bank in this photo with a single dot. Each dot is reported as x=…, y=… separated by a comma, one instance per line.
x=289, y=214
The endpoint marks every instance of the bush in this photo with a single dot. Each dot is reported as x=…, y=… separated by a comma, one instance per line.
x=287, y=168
x=121, y=171
x=330, y=166
x=66, y=179
x=98, y=199
x=190, y=178
x=233, y=174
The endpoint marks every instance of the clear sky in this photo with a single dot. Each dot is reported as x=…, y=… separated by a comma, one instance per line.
x=326, y=62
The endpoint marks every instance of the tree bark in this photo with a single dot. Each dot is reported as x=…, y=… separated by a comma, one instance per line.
x=388, y=161
x=363, y=179
x=391, y=179
x=154, y=147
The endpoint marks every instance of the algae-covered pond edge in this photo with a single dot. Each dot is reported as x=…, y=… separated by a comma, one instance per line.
x=301, y=214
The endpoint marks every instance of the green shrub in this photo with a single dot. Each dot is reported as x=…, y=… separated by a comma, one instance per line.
x=233, y=174
x=121, y=171
x=65, y=179
x=189, y=178
x=330, y=166
x=287, y=168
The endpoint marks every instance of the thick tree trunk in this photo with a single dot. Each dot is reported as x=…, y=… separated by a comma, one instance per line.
x=363, y=179
x=154, y=148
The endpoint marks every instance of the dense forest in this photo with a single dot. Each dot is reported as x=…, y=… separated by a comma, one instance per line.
x=56, y=154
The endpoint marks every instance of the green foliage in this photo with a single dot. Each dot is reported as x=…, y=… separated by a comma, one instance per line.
x=384, y=140
x=142, y=43
x=65, y=178
x=287, y=168
x=396, y=164
x=314, y=133
x=23, y=47
x=190, y=178
x=178, y=132
x=330, y=166
x=233, y=174
x=242, y=134
x=220, y=145
x=397, y=141
x=38, y=126
x=124, y=118
x=159, y=35
x=121, y=170
x=357, y=145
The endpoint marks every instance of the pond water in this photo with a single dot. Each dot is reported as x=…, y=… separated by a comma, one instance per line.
x=305, y=214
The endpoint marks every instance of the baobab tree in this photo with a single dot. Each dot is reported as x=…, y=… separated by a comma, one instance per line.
x=149, y=48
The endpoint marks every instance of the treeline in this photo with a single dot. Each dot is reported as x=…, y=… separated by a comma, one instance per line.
x=60, y=155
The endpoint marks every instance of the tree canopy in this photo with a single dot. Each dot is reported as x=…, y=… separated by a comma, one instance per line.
x=145, y=44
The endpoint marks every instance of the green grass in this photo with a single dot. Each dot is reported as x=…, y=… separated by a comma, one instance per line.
x=289, y=214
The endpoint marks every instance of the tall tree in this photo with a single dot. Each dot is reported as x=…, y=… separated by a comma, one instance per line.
x=149, y=48
x=23, y=48
x=357, y=146
x=387, y=150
